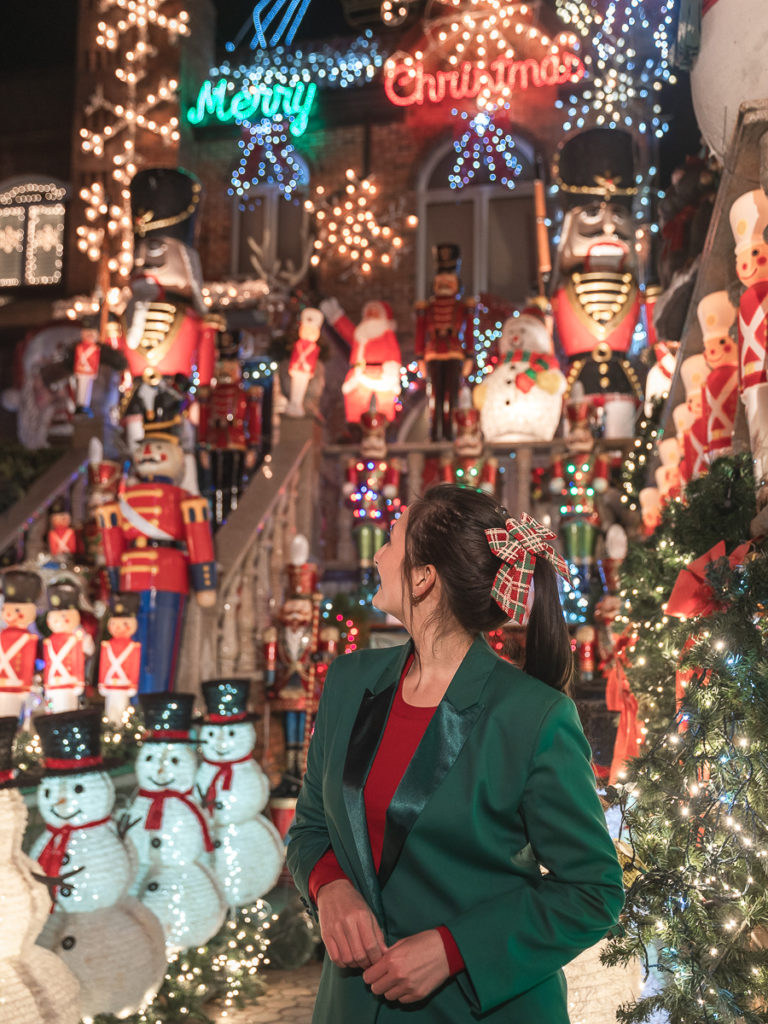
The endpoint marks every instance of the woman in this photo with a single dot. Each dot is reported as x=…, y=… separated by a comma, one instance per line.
x=441, y=781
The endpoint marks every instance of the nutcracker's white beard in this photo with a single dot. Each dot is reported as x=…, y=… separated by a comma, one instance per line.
x=373, y=327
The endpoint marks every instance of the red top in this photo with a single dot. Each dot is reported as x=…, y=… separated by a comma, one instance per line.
x=403, y=732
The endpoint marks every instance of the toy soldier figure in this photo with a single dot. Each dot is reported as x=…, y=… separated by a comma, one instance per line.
x=596, y=300
x=297, y=654
x=157, y=540
x=444, y=342
x=61, y=537
x=229, y=432
x=18, y=646
x=63, y=650
x=120, y=656
x=720, y=395
x=303, y=362
x=471, y=465
x=371, y=490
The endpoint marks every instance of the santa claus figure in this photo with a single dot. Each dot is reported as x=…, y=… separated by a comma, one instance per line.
x=749, y=221
x=303, y=363
x=374, y=358
x=18, y=646
x=120, y=656
x=720, y=395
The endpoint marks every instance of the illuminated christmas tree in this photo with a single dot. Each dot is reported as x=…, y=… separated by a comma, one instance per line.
x=697, y=815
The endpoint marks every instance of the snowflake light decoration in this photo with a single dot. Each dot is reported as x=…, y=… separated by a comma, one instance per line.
x=267, y=157
x=483, y=143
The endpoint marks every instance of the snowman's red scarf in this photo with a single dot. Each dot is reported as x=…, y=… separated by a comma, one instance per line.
x=52, y=856
x=225, y=774
x=154, y=819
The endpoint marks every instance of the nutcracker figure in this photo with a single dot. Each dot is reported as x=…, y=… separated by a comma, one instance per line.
x=297, y=653
x=720, y=395
x=693, y=373
x=120, y=656
x=374, y=358
x=749, y=221
x=303, y=362
x=157, y=540
x=18, y=646
x=578, y=477
x=596, y=299
x=371, y=490
x=470, y=465
x=444, y=343
x=61, y=536
x=64, y=651
x=229, y=431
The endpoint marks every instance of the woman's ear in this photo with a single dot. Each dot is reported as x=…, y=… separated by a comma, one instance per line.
x=423, y=579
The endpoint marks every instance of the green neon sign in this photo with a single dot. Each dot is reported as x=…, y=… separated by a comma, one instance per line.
x=216, y=101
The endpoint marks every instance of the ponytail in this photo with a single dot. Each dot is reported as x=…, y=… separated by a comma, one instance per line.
x=548, y=654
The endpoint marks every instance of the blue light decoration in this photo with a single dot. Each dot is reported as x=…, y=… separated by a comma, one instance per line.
x=265, y=12
x=267, y=158
x=484, y=143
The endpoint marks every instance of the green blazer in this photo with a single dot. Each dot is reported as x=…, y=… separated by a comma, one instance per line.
x=499, y=788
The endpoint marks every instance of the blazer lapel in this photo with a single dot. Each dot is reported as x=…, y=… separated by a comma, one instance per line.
x=363, y=744
x=440, y=746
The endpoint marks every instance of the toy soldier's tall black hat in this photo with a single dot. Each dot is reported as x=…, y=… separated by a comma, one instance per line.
x=167, y=716
x=164, y=201
x=447, y=258
x=164, y=419
x=228, y=347
x=63, y=595
x=71, y=741
x=597, y=164
x=8, y=726
x=57, y=507
x=21, y=587
x=123, y=604
x=227, y=700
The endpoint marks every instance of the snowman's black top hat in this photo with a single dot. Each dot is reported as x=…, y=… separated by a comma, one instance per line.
x=71, y=741
x=227, y=701
x=167, y=716
x=8, y=726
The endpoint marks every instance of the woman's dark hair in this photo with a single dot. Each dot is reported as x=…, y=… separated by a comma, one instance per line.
x=446, y=528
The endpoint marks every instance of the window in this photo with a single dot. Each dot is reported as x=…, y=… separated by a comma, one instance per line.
x=272, y=235
x=31, y=232
x=495, y=226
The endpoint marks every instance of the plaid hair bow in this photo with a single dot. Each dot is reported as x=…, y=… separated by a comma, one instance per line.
x=518, y=546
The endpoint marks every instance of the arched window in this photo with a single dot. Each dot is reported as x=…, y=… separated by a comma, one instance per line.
x=272, y=231
x=32, y=212
x=495, y=226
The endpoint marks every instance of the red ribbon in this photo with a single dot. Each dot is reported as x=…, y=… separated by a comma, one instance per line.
x=222, y=719
x=619, y=697
x=224, y=773
x=6, y=775
x=52, y=855
x=692, y=595
x=161, y=735
x=154, y=819
x=73, y=763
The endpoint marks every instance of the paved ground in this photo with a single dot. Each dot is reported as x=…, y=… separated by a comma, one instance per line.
x=289, y=999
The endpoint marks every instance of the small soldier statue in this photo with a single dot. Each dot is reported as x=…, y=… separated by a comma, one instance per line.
x=120, y=656
x=229, y=431
x=157, y=540
x=371, y=490
x=303, y=362
x=720, y=395
x=18, y=646
x=296, y=655
x=444, y=343
x=693, y=373
x=470, y=465
x=65, y=650
x=61, y=536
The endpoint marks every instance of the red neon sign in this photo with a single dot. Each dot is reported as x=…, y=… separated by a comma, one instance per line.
x=407, y=83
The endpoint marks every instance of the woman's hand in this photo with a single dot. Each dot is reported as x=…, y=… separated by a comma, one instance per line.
x=349, y=929
x=410, y=969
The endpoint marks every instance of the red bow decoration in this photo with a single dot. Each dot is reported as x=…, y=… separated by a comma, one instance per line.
x=518, y=547
x=692, y=595
x=222, y=779
x=154, y=820
x=619, y=697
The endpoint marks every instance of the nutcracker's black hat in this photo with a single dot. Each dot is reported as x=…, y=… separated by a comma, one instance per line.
x=123, y=604
x=21, y=587
x=164, y=419
x=71, y=741
x=165, y=201
x=63, y=595
x=8, y=726
x=597, y=164
x=226, y=701
x=447, y=258
x=168, y=717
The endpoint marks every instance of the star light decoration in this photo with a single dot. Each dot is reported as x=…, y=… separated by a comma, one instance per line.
x=132, y=32
x=627, y=51
x=267, y=157
x=350, y=232
x=484, y=143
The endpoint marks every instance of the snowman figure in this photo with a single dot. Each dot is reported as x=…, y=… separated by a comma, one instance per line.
x=169, y=830
x=522, y=399
x=110, y=942
x=248, y=849
x=35, y=984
